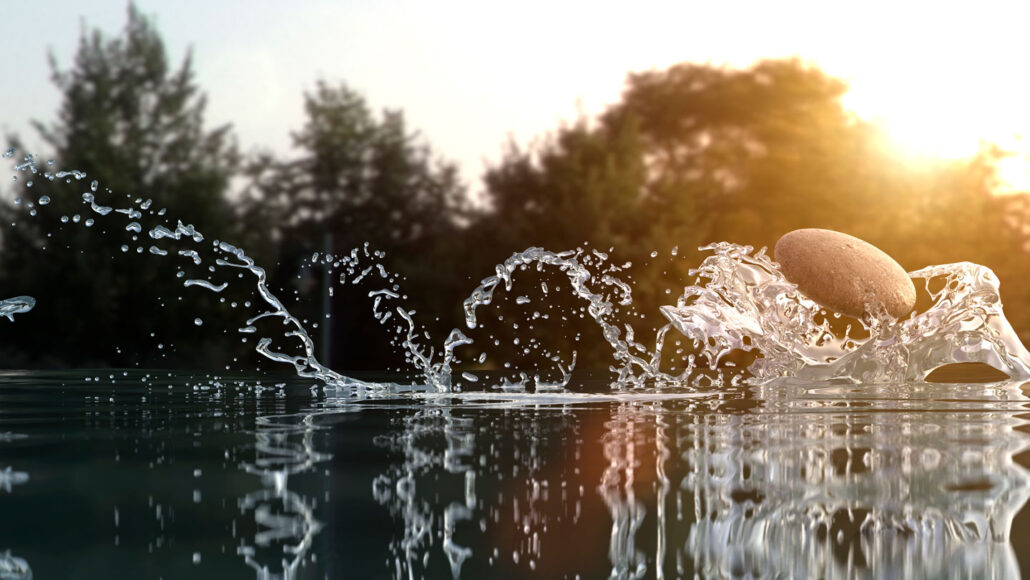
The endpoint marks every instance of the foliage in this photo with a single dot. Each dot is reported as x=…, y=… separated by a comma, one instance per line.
x=689, y=155
x=697, y=154
x=359, y=178
x=128, y=119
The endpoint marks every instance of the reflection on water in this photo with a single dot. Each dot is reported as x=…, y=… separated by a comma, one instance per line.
x=915, y=480
x=623, y=437
x=897, y=481
x=14, y=568
x=863, y=483
x=284, y=520
x=9, y=478
x=462, y=480
x=399, y=488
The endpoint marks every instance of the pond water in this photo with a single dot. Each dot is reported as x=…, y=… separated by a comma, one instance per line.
x=136, y=474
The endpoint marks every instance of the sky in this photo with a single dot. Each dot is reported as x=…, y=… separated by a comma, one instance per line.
x=468, y=74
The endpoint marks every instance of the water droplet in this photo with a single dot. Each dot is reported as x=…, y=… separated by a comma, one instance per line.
x=198, y=321
x=44, y=200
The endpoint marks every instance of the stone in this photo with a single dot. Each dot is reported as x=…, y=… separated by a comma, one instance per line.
x=843, y=273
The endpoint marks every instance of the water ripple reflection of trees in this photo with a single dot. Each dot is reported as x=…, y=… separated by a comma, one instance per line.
x=791, y=483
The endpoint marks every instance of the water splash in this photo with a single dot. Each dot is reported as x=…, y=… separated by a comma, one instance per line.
x=630, y=368
x=13, y=567
x=16, y=305
x=741, y=302
x=226, y=256
x=747, y=305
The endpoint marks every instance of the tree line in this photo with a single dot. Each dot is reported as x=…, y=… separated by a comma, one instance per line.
x=689, y=155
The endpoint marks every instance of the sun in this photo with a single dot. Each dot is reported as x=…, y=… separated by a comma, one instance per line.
x=930, y=123
x=1014, y=173
x=925, y=133
x=919, y=122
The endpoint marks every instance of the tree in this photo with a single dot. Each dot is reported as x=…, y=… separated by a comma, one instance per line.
x=360, y=178
x=129, y=120
x=767, y=149
x=697, y=154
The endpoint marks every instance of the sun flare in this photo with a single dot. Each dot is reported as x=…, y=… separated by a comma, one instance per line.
x=941, y=117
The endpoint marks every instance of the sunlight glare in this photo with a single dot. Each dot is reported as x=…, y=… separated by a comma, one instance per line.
x=1014, y=174
x=936, y=119
x=927, y=121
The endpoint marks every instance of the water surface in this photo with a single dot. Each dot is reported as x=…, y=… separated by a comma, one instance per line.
x=148, y=475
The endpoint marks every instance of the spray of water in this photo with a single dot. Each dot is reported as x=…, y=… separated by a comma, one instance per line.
x=741, y=302
x=745, y=303
x=16, y=305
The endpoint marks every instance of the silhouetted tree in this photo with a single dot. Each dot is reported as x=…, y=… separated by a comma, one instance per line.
x=129, y=120
x=359, y=178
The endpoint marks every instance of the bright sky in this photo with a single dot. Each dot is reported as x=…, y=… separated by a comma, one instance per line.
x=940, y=76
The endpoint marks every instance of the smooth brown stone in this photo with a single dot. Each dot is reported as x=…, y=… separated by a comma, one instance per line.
x=843, y=273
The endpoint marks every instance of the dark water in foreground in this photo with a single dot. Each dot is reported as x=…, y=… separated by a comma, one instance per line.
x=130, y=476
